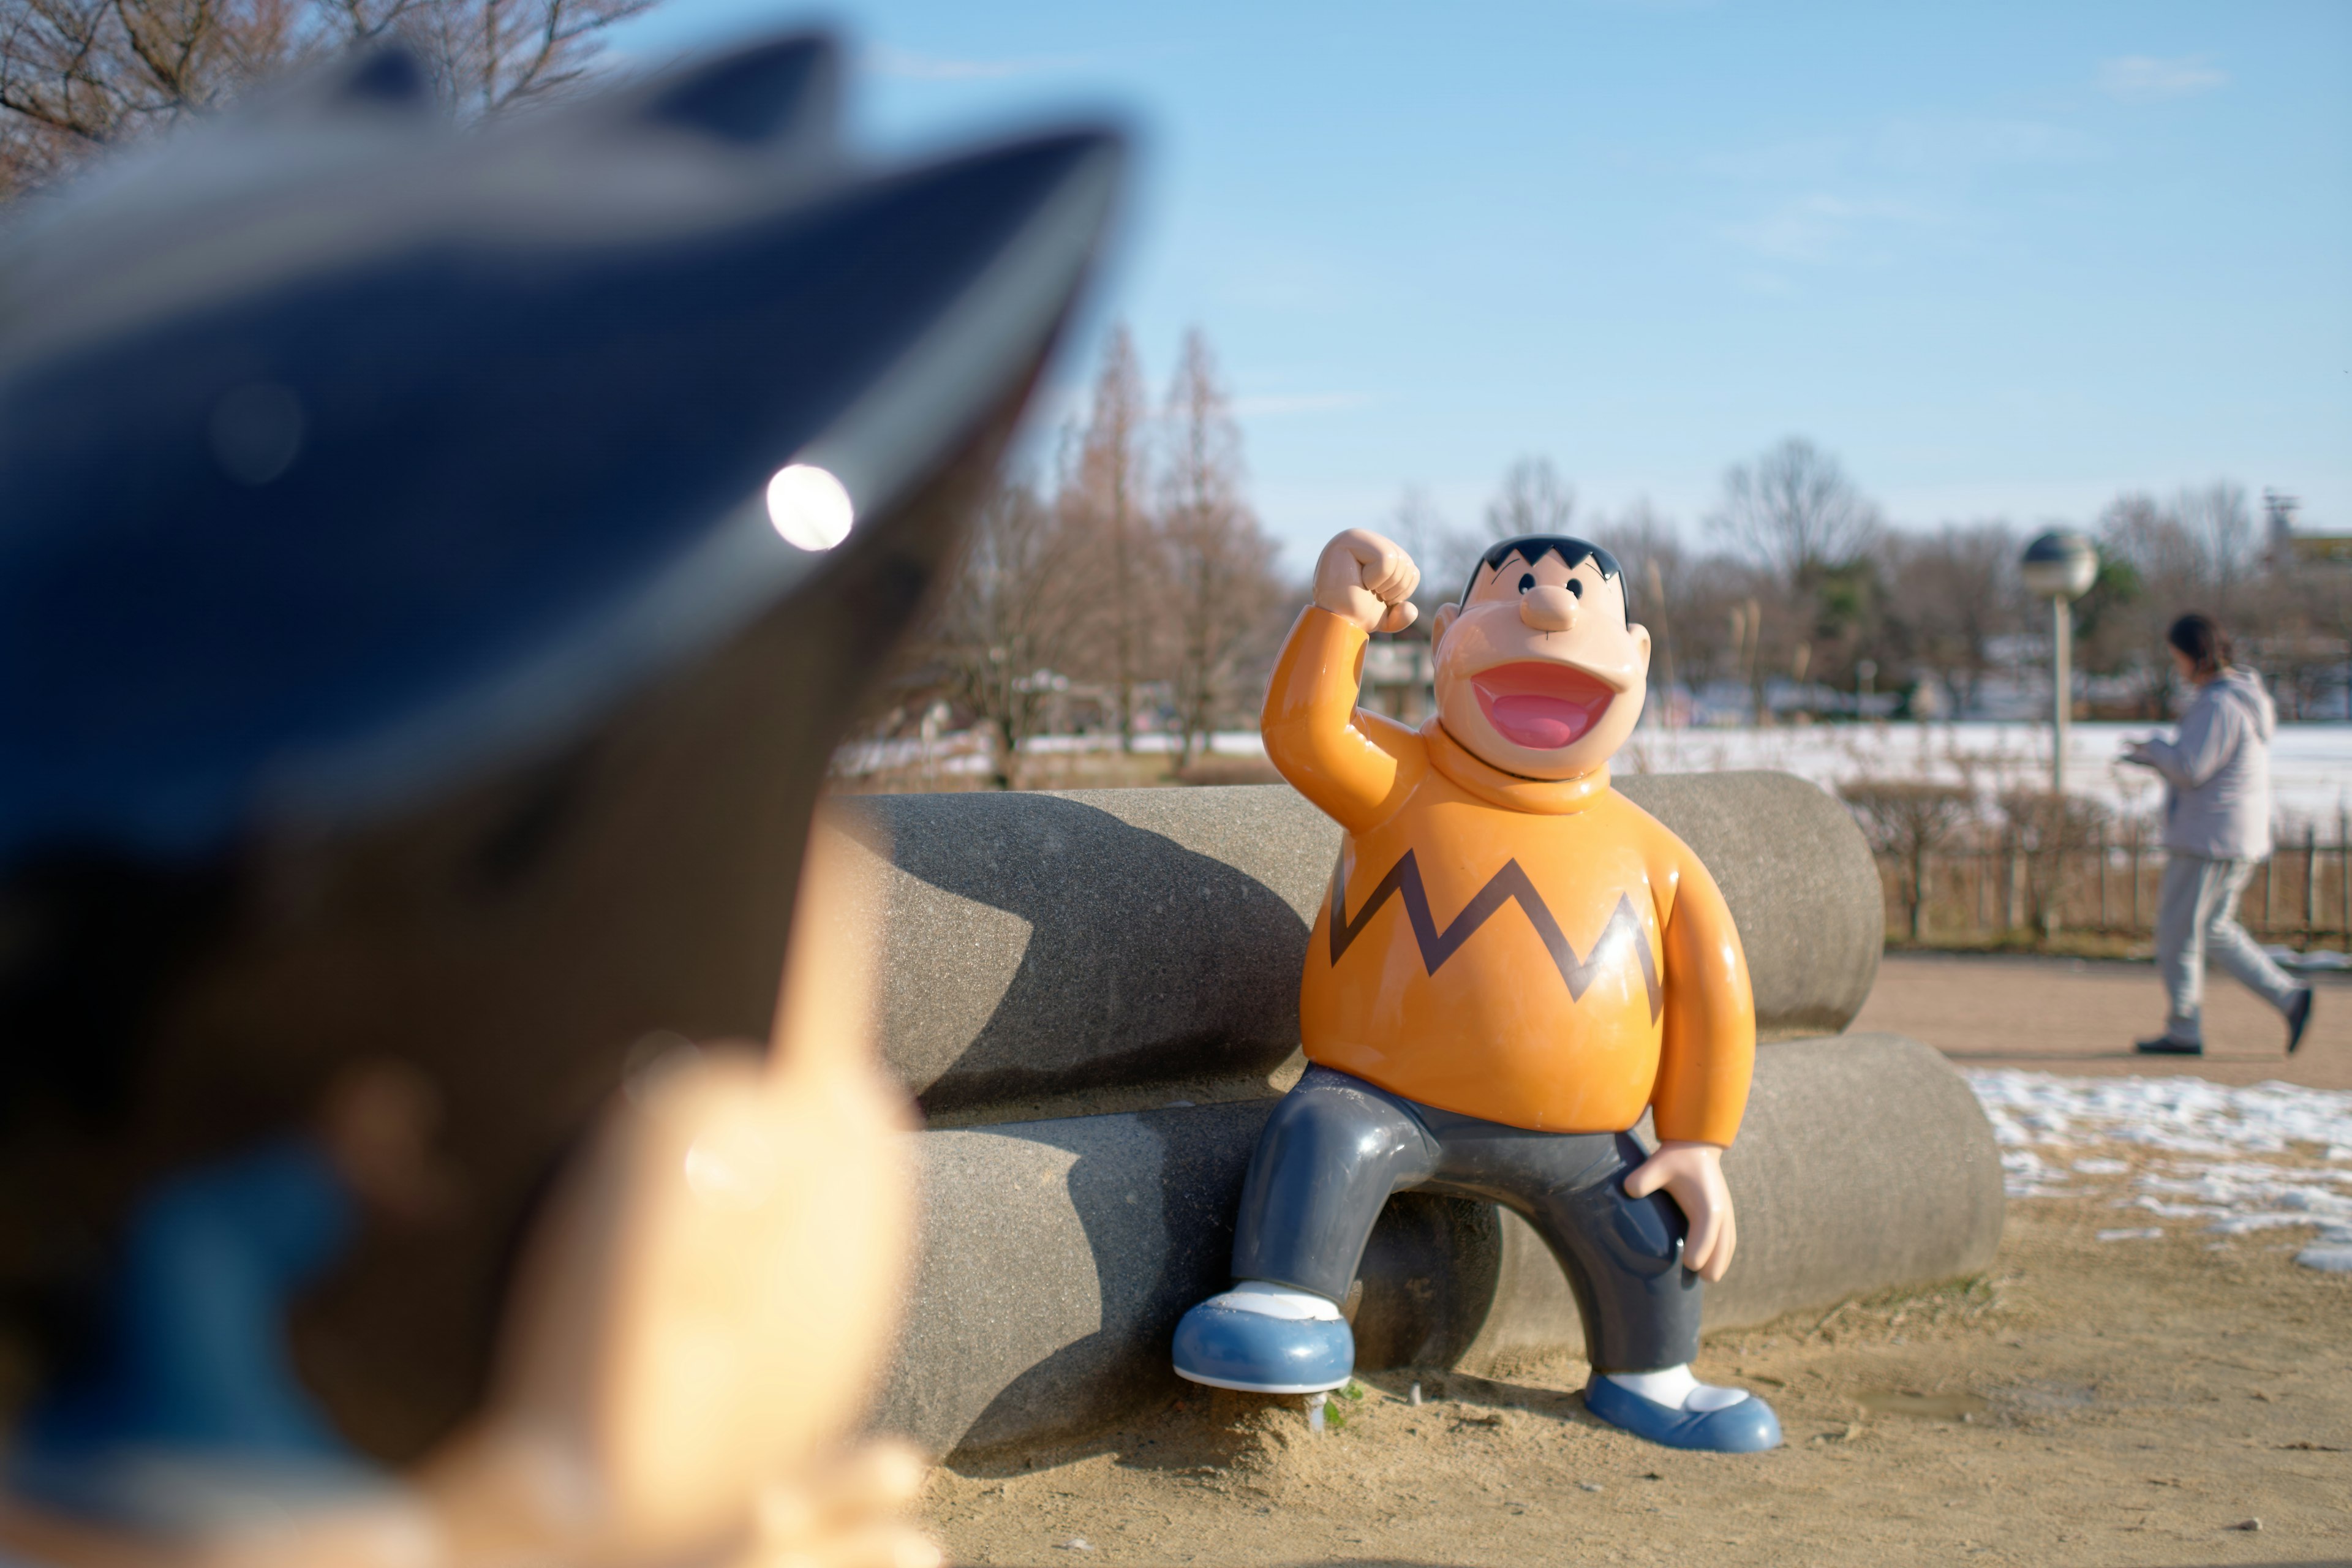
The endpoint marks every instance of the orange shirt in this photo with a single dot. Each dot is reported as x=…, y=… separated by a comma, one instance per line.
x=1541, y=954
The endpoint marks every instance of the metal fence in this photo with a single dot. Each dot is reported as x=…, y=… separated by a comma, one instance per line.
x=2001, y=887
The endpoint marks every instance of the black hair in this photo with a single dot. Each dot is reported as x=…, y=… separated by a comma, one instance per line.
x=1572, y=552
x=2202, y=639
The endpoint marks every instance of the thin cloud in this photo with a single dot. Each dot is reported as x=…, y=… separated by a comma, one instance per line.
x=909, y=66
x=1952, y=148
x=1822, y=229
x=2145, y=79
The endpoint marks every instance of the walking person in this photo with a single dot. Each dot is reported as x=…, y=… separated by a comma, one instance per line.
x=2217, y=827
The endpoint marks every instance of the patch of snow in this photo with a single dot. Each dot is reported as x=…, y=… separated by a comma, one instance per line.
x=2146, y=1233
x=2176, y=1115
x=2200, y=1134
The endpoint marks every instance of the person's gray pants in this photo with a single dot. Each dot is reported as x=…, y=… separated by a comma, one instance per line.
x=2197, y=914
x=1336, y=1147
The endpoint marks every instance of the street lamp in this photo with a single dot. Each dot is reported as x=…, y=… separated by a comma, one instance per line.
x=2059, y=566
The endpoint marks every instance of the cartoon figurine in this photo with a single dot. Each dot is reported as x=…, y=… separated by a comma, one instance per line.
x=439, y=565
x=1515, y=963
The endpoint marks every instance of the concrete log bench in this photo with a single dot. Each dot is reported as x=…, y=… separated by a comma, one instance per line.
x=1093, y=996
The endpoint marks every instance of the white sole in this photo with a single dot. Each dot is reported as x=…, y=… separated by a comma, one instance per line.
x=1265, y=1387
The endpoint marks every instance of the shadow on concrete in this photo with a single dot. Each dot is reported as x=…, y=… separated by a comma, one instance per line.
x=1159, y=1220
x=1156, y=1193
x=1145, y=960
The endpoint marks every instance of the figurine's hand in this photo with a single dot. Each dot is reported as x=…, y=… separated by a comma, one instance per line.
x=701, y=1313
x=1367, y=580
x=1692, y=1174
x=843, y=1517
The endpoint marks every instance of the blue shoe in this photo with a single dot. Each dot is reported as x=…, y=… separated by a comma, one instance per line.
x=1265, y=1339
x=1746, y=1428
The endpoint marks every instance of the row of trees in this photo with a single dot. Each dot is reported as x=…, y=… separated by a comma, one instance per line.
x=1798, y=575
x=1132, y=579
x=1137, y=578
x=77, y=77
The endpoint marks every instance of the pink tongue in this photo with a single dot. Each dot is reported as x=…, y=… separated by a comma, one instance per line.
x=1540, y=724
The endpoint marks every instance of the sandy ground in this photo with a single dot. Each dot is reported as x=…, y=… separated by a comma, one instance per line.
x=2177, y=1402
x=2080, y=1017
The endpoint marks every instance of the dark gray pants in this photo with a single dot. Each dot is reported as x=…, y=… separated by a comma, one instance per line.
x=1336, y=1147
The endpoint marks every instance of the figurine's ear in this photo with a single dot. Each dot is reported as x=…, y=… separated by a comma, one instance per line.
x=1447, y=614
x=383, y=78
x=1641, y=635
x=387, y=77
x=783, y=92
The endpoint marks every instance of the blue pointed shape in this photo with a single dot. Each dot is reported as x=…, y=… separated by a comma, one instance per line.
x=1258, y=1354
x=1747, y=1428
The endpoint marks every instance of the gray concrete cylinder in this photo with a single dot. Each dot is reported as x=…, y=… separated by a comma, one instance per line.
x=1058, y=944
x=1056, y=1256
x=1864, y=1163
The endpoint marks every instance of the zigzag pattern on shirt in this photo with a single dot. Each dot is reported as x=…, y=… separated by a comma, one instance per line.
x=1403, y=880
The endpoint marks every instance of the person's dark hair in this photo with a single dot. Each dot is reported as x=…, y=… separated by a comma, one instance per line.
x=2202, y=639
x=1572, y=552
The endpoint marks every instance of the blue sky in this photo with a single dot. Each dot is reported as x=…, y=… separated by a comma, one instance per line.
x=2003, y=260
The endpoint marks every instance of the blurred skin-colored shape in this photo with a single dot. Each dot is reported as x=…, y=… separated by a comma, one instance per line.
x=693, y=1335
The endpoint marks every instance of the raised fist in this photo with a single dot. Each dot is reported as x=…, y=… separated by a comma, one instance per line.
x=1363, y=578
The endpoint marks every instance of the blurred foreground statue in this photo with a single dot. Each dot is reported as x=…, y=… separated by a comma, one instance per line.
x=436, y=569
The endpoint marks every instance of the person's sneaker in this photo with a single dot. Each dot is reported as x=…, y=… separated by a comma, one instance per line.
x=1265, y=1339
x=2166, y=1045
x=1746, y=1428
x=2298, y=1018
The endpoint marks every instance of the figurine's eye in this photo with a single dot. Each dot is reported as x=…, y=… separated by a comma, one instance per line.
x=1576, y=586
x=1527, y=581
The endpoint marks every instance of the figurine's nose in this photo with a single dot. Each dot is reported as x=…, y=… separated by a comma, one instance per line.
x=1549, y=609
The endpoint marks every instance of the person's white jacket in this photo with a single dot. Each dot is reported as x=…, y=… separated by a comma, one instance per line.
x=2217, y=773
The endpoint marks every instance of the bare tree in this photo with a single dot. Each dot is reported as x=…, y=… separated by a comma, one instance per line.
x=1104, y=497
x=1221, y=562
x=1444, y=552
x=1533, y=499
x=2158, y=560
x=1657, y=586
x=1952, y=592
x=2048, y=837
x=80, y=76
x=2220, y=527
x=496, y=53
x=1795, y=512
x=1011, y=623
x=1906, y=821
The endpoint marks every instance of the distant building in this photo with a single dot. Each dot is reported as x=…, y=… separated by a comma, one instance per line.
x=2288, y=548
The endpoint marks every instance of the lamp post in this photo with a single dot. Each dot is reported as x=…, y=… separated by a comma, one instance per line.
x=2059, y=566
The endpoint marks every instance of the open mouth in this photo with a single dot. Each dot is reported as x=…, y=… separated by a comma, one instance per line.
x=1539, y=705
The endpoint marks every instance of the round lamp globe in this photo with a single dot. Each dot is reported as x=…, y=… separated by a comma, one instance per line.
x=2059, y=564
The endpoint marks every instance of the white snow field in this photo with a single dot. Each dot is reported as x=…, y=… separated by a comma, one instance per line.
x=2202, y=1140
x=2311, y=764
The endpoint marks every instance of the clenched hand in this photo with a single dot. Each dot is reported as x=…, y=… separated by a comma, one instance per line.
x=1363, y=578
x=1692, y=1174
